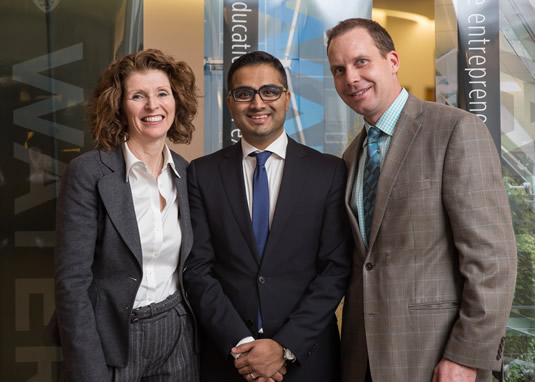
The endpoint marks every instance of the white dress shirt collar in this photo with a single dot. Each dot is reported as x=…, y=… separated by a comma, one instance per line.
x=278, y=146
x=131, y=160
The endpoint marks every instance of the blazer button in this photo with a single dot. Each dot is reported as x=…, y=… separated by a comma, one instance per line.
x=261, y=280
x=369, y=266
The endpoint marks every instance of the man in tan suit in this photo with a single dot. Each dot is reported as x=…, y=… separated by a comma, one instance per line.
x=434, y=265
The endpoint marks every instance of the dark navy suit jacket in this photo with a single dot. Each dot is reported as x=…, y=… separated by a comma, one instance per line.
x=301, y=277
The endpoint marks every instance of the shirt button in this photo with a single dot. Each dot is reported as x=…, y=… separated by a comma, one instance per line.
x=261, y=280
x=369, y=266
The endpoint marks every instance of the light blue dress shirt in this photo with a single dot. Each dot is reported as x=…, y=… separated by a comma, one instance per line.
x=387, y=124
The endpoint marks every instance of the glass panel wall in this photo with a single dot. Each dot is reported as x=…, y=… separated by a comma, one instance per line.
x=517, y=149
x=52, y=54
x=517, y=88
x=293, y=31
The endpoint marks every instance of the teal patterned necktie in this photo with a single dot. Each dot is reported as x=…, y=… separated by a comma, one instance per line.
x=372, y=168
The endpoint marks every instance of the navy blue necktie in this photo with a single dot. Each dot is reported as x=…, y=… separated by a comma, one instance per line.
x=260, y=201
x=260, y=207
x=372, y=169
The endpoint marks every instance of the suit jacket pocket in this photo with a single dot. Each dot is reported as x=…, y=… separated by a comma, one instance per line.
x=435, y=305
x=404, y=190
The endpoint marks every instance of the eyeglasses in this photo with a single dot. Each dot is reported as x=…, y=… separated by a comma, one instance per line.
x=267, y=93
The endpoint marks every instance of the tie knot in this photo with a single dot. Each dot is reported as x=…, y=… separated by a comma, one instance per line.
x=373, y=132
x=261, y=158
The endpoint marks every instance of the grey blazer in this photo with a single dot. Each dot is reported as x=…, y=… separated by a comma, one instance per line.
x=438, y=277
x=99, y=262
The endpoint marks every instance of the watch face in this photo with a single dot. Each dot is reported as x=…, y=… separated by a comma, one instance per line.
x=288, y=355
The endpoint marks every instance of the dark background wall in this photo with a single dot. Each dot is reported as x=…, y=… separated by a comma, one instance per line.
x=52, y=54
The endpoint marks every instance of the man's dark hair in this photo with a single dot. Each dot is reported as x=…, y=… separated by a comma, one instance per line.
x=380, y=36
x=257, y=58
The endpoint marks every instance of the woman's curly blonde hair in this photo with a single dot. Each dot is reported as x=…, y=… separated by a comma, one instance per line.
x=105, y=113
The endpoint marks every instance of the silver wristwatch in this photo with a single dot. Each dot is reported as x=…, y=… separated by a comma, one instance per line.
x=288, y=355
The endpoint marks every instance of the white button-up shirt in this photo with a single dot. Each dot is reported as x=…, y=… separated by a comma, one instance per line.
x=159, y=231
x=274, y=169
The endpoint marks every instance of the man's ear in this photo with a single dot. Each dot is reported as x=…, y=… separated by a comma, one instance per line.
x=393, y=59
x=288, y=98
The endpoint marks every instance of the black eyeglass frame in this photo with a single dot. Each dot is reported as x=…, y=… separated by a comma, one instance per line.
x=257, y=91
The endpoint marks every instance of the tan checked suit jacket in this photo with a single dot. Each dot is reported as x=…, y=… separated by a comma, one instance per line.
x=438, y=277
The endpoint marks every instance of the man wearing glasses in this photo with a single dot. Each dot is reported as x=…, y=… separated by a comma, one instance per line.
x=271, y=255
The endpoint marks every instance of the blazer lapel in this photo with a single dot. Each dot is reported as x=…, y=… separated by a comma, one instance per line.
x=231, y=171
x=183, y=209
x=117, y=199
x=351, y=157
x=293, y=177
x=404, y=135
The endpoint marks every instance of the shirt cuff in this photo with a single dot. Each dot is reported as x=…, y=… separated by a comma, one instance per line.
x=242, y=341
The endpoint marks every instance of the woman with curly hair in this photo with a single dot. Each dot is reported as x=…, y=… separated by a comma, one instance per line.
x=124, y=231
